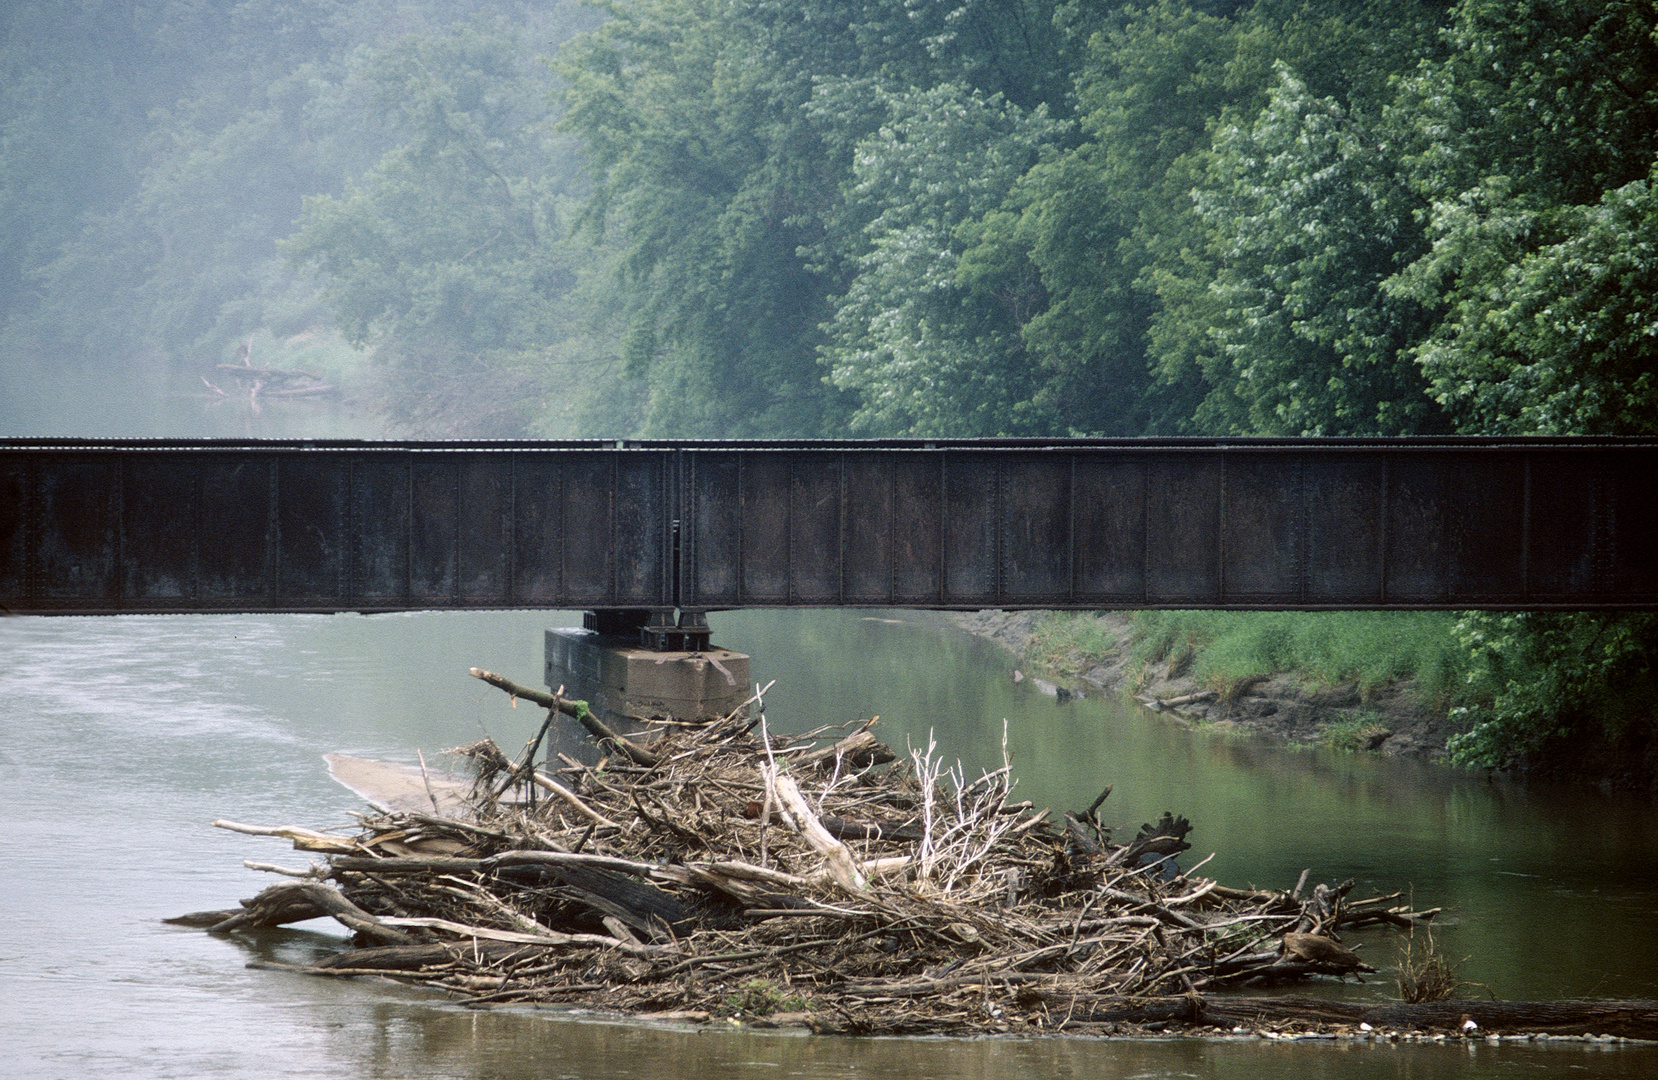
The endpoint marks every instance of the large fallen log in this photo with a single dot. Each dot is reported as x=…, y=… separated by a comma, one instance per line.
x=294, y=902
x=268, y=372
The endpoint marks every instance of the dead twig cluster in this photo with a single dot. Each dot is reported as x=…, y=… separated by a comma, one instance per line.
x=1424, y=973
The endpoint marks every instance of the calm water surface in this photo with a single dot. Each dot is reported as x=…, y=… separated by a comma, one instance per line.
x=122, y=738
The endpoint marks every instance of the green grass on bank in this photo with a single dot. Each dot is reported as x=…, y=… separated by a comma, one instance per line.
x=1224, y=650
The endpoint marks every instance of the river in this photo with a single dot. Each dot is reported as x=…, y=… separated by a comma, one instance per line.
x=123, y=737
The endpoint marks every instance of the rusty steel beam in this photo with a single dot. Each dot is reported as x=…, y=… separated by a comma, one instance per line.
x=109, y=527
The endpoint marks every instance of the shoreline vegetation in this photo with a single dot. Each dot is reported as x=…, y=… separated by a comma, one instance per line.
x=1397, y=683
x=703, y=872
x=1341, y=680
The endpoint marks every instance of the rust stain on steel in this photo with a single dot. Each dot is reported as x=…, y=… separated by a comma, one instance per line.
x=108, y=527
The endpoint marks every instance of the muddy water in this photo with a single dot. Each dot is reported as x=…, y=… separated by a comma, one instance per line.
x=121, y=738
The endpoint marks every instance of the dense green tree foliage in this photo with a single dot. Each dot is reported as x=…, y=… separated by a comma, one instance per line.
x=152, y=149
x=723, y=139
x=1539, y=683
x=1533, y=142
x=452, y=255
x=928, y=334
x=1093, y=219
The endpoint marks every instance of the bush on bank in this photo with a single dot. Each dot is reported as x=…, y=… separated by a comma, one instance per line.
x=1538, y=686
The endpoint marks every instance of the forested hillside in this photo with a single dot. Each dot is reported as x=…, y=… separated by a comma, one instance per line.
x=881, y=217
x=1044, y=218
x=313, y=175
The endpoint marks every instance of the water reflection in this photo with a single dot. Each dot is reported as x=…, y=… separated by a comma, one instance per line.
x=522, y=1044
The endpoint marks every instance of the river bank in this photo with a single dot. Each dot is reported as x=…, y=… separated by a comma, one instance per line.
x=1286, y=707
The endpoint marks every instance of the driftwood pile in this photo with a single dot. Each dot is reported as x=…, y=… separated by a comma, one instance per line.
x=719, y=870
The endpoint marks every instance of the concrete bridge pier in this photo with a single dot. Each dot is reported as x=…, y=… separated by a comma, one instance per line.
x=632, y=665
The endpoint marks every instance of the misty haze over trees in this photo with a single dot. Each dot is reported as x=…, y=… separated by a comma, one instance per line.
x=723, y=218
x=315, y=175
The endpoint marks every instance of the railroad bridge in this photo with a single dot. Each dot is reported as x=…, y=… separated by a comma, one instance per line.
x=115, y=527
x=648, y=536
